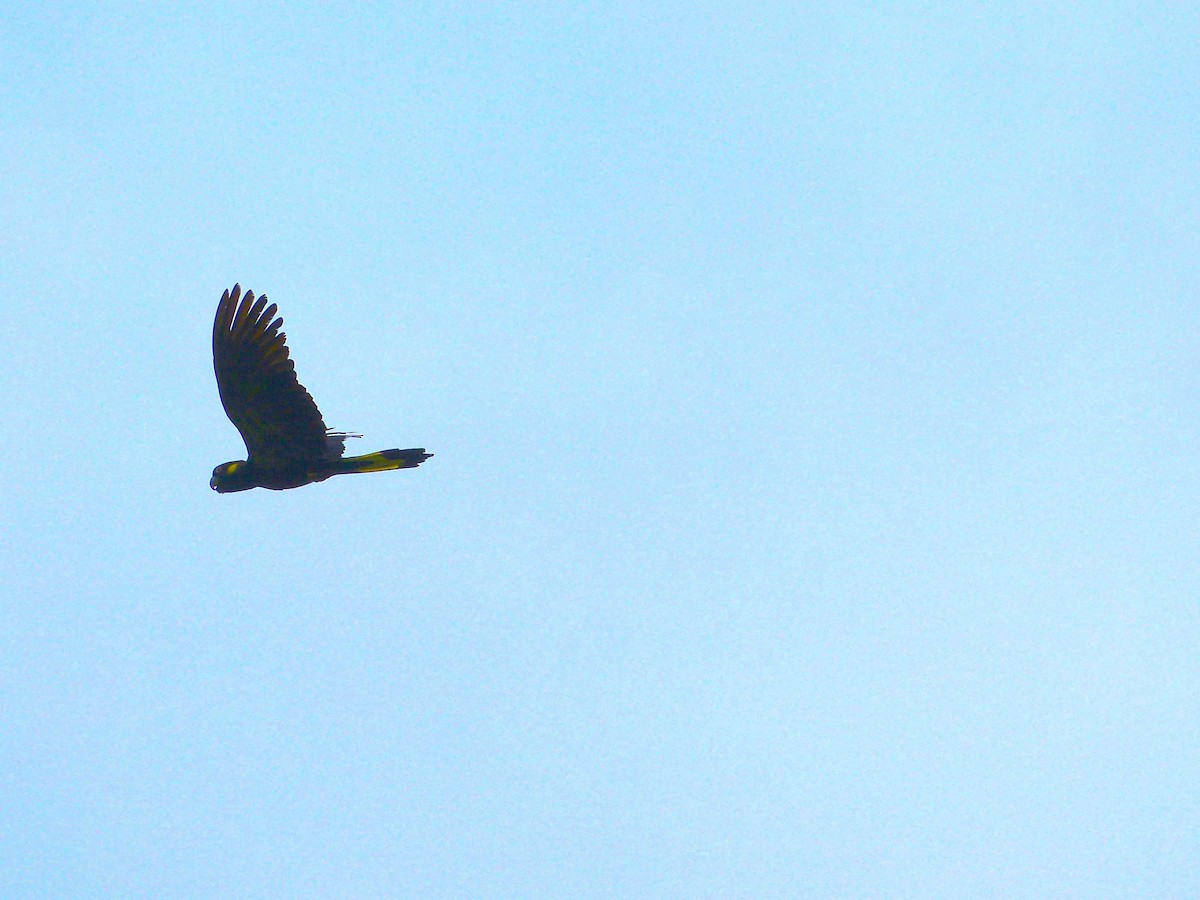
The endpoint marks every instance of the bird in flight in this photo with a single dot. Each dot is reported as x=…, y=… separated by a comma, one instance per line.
x=287, y=443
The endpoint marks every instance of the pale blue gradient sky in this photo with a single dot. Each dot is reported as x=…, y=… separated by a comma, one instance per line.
x=814, y=399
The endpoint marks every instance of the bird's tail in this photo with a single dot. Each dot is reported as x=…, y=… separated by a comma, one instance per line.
x=381, y=461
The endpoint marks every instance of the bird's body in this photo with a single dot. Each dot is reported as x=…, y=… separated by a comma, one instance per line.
x=287, y=443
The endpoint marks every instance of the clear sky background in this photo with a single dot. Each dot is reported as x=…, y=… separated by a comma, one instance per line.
x=813, y=390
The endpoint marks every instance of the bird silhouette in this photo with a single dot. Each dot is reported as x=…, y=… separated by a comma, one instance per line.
x=287, y=443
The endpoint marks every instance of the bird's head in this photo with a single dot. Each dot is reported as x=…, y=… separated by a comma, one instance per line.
x=232, y=476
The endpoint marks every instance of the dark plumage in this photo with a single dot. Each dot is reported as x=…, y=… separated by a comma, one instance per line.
x=287, y=443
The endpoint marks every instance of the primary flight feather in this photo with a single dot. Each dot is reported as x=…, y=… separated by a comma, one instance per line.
x=287, y=443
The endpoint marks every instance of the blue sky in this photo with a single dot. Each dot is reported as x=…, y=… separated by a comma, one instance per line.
x=812, y=389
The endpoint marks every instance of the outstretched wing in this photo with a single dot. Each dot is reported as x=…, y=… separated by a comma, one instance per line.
x=277, y=417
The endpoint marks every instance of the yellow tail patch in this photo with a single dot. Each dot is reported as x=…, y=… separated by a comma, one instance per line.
x=384, y=461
